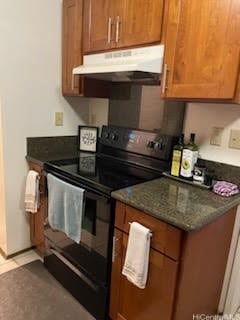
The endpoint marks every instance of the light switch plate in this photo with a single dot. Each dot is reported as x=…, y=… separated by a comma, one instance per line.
x=234, y=140
x=216, y=136
x=58, y=118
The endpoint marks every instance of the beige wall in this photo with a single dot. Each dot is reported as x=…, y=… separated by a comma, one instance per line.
x=200, y=118
x=3, y=243
x=30, y=91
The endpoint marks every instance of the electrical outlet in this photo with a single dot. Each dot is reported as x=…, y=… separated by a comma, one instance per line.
x=216, y=136
x=58, y=118
x=234, y=140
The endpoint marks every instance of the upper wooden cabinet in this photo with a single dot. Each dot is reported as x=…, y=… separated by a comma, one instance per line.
x=71, y=46
x=202, y=47
x=72, y=54
x=121, y=23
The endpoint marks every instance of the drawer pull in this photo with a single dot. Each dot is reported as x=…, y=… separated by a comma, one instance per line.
x=145, y=227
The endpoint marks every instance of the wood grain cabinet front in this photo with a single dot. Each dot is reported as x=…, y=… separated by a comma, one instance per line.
x=186, y=269
x=128, y=301
x=37, y=219
x=121, y=24
x=72, y=55
x=202, y=50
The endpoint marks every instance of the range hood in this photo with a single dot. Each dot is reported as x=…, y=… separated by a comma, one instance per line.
x=139, y=64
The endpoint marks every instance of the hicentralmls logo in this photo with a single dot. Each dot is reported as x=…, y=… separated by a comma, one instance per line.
x=213, y=317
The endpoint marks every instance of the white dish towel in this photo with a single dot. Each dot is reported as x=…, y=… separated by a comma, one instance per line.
x=65, y=207
x=137, y=256
x=32, y=192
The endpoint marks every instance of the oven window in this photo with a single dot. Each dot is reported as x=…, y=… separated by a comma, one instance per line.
x=91, y=254
x=89, y=217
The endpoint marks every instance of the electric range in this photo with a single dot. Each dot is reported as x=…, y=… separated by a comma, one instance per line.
x=125, y=157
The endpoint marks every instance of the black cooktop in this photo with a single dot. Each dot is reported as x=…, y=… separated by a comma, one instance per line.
x=100, y=172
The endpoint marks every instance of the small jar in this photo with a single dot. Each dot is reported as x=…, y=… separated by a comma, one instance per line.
x=199, y=173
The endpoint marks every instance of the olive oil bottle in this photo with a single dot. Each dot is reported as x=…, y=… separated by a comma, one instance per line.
x=177, y=157
x=189, y=158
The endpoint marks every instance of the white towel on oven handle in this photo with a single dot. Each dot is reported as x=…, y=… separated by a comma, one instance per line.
x=66, y=204
x=137, y=256
x=31, y=199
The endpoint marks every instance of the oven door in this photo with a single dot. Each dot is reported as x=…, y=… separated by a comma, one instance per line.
x=84, y=268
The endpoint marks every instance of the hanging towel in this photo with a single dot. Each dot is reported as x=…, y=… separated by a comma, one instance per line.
x=137, y=256
x=65, y=207
x=32, y=192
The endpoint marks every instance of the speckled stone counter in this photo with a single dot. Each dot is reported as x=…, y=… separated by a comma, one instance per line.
x=50, y=157
x=43, y=149
x=184, y=206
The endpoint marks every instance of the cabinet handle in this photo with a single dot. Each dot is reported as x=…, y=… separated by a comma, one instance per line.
x=118, y=29
x=164, y=78
x=72, y=84
x=114, y=255
x=109, y=30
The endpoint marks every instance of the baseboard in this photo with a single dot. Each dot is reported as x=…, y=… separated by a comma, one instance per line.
x=6, y=256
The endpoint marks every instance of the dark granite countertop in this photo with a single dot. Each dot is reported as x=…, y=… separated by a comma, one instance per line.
x=184, y=206
x=40, y=159
x=43, y=149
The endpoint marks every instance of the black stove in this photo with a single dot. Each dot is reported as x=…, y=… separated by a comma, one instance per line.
x=100, y=172
x=125, y=157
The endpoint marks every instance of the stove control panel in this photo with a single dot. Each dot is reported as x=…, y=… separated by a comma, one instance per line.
x=148, y=143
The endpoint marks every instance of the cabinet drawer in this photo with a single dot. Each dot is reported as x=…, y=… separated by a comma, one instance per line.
x=165, y=238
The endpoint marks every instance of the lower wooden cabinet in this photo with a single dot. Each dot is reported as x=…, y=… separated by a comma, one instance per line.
x=130, y=302
x=37, y=219
x=178, y=285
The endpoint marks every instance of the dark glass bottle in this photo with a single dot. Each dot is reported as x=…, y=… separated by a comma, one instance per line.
x=189, y=158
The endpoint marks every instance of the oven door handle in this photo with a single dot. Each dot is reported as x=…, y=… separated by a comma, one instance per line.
x=89, y=192
x=74, y=269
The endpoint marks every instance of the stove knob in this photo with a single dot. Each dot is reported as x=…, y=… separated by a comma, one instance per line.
x=150, y=144
x=106, y=135
x=113, y=137
x=158, y=146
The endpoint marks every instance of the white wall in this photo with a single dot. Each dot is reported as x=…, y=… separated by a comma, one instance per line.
x=30, y=91
x=3, y=239
x=200, y=118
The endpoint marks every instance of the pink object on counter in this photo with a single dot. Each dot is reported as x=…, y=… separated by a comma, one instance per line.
x=225, y=189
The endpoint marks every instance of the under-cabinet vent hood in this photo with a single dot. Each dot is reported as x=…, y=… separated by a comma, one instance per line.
x=139, y=64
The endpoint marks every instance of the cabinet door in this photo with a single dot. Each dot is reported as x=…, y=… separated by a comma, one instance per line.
x=156, y=300
x=202, y=49
x=71, y=45
x=99, y=21
x=37, y=219
x=140, y=23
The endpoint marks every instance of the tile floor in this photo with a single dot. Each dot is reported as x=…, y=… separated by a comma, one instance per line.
x=31, y=255
x=17, y=261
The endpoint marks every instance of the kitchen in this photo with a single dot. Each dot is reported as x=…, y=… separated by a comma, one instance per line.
x=31, y=57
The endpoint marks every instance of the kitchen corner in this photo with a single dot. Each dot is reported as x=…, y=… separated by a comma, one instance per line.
x=185, y=211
